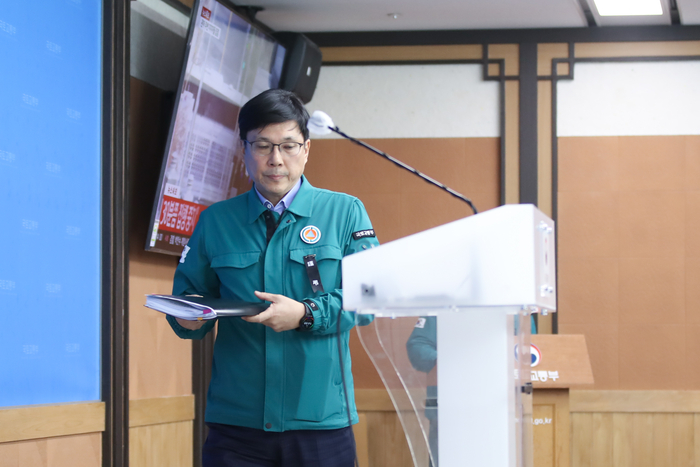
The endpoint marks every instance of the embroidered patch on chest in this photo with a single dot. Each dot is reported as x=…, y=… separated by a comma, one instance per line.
x=310, y=234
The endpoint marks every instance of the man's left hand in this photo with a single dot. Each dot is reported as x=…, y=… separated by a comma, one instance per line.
x=282, y=315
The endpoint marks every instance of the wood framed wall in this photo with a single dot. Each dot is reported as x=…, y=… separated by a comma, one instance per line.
x=635, y=428
x=500, y=63
x=556, y=61
x=611, y=427
x=607, y=426
x=608, y=177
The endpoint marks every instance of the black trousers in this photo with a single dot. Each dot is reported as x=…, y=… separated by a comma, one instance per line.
x=235, y=446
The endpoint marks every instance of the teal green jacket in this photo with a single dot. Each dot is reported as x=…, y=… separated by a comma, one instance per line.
x=262, y=379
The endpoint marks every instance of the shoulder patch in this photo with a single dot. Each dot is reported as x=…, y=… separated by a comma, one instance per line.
x=421, y=323
x=363, y=233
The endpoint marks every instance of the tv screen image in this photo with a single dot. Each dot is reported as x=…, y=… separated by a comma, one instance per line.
x=227, y=61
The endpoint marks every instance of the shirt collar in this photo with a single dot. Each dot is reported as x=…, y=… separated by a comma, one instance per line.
x=302, y=207
x=284, y=202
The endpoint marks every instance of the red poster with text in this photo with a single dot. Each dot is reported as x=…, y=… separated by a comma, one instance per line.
x=179, y=216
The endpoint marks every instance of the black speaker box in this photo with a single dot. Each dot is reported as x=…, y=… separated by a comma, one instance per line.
x=302, y=64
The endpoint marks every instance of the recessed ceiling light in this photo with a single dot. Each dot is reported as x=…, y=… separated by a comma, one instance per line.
x=628, y=7
x=394, y=15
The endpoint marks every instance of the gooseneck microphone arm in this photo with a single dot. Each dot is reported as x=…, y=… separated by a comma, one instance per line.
x=386, y=156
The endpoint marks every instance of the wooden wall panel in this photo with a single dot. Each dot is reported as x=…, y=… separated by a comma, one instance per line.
x=402, y=53
x=637, y=49
x=160, y=445
x=160, y=431
x=159, y=361
x=510, y=53
x=64, y=451
x=44, y=421
x=551, y=429
x=635, y=428
x=398, y=202
x=543, y=435
x=634, y=439
x=364, y=374
x=387, y=442
x=360, y=430
x=628, y=265
x=160, y=410
x=655, y=401
x=545, y=54
x=592, y=440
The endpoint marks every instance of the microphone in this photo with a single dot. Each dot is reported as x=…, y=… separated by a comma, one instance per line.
x=321, y=123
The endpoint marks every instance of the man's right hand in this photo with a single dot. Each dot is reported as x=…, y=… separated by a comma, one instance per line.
x=191, y=325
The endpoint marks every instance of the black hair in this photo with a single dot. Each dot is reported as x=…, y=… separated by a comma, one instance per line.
x=272, y=106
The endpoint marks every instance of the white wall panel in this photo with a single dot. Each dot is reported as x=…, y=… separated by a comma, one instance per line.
x=638, y=98
x=689, y=11
x=409, y=101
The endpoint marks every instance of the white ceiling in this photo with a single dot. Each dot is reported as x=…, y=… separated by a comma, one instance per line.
x=374, y=15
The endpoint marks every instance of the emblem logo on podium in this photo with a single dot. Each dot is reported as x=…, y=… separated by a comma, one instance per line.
x=535, y=355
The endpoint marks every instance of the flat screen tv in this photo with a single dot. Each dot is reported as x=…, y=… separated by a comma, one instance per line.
x=227, y=61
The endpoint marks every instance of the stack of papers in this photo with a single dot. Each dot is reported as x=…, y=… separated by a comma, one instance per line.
x=195, y=307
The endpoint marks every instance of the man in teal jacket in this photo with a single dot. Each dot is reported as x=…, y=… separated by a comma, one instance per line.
x=276, y=395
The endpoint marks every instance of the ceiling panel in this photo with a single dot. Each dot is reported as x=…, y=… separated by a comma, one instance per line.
x=372, y=15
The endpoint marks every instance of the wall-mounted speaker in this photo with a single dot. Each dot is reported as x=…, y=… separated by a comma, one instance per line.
x=302, y=64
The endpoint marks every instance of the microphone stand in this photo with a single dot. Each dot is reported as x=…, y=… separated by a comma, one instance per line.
x=406, y=166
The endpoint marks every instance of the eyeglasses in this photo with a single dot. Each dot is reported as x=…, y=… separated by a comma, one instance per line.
x=265, y=148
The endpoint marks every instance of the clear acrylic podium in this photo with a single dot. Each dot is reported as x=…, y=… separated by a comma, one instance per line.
x=463, y=291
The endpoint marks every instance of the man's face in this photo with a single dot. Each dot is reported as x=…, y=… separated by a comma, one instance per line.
x=277, y=173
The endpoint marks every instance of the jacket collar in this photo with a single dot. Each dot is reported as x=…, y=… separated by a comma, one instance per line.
x=302, y=205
